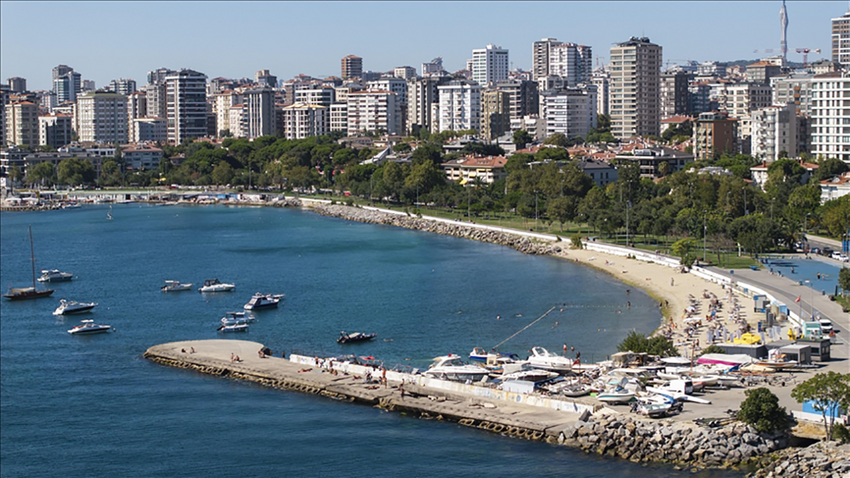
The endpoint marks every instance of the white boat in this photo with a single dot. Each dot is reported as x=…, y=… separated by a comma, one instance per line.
x=530, y=374
x=543, y=359
x=174, y=286
x=215, y=285
x=615, y=395
x=67, y=307
x=263, y=301
x=88, y=327
x=233, y=328
x=54, y=275
x=235, y=318
x=451, y=367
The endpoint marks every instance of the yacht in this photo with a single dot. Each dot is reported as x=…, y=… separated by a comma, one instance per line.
x=451, y=367
x=88, y=327
x=543, y=359
x=215, y=285
x=235, y=318
x=54, y=275
x=67, y=307
x=263, y=301
x=174, y=286
x=233, y=328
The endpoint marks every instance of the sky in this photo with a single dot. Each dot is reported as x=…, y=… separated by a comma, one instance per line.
x=105, y=40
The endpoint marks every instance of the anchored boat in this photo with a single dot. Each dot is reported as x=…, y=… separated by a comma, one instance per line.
x=26, y=293
x=88, y=327
x=68, y=307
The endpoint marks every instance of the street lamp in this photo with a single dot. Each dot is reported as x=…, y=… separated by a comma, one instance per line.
x=704, y=233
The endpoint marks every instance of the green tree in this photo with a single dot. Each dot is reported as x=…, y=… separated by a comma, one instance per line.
x=15, y=174
x=558, y=139
x=222, y=174
x=638, y=343
x=829, y=391
x=75, y=171
x=521, y=138
x=684, y=248
x=761, y=410
x=562, y=209
x=42, y=173
x=844, y=278
x=575, y=241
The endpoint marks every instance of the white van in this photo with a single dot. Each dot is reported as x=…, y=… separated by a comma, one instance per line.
x=825, y=326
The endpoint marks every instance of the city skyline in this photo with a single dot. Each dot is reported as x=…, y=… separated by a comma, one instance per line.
x=287, y=45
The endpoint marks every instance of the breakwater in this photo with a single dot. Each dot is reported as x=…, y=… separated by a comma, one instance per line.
x=821, y=459
x=580, y=424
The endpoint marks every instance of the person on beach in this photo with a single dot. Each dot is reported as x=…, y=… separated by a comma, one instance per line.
x=671, y=281
x=232, y=357
x=192, y=350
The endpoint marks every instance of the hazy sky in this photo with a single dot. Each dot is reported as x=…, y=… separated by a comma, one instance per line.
x=107, y=40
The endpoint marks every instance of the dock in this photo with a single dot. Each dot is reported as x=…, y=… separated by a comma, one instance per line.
x=509, y=413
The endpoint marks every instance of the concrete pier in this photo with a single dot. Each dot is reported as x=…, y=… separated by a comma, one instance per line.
x=500, y=413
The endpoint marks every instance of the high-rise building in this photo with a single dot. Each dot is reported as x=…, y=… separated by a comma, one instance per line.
x=601, y=79
x=540, y=57
x=573, y=63
x=22, y=123
x=316, y=96
x=495, y=114
x=762, y=72
x=434, y=67
x=404, y=72
x=489, y=65
x=570, y=111
x=303, y=120
x=137, y=107
x=635, y=109
x=523, y=96
x=352, y=67
x=158, y=75
x=674, y=94
x=88, y=85
x=4, y=100
x=55, y=130
x=828, y=118
x=264, y=77
x=61, y=70
x=67, y=84
x=372, y=110
x=460, y=105
x=150, y=129
x=222, y=102
x=123, y=86
x=422, y=94
x=774, y=132
x=795, y=88
x=261, y=118
x=715, y=133
x=186, y=105
x=841, y=39
x=102, y=118
x=739, y=100
x=17, y=84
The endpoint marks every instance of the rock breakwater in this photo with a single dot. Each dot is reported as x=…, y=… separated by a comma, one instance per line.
x=824, y=459
x=522, y=244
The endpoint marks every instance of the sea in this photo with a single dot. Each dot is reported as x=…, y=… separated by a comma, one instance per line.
x=84, y=406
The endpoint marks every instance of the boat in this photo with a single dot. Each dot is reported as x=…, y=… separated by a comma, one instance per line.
x=215, y=285
x=725, y=359
x=451, y=367
x=109, y=213
x=653, y=405
x=543, y=359
x=263, y=301
x=233, y=328
x=25, y=293
x=54, y=275
x=234, y=318
x=354, y=337
x=175, y=286
x=615, y=395
x=88, y=327
x=68, y=307
x=478, y=354
x=530, y=374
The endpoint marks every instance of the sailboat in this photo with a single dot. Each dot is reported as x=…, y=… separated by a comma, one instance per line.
x=28, y=292
x=109, y=213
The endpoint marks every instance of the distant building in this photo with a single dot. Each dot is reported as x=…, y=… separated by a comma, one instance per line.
x=55, y=130
x=601, y=172
x=123, y=86
x=794, y=88
x=141, y=156
x=524, y=97
x=67, y=85
x=572, y=62
x=422, y=94
x=264, y=77
x=468, y=169
x=569, y=111
x=460, y=105
x=433, y=67
x=372, y=111
x=404, y=72
x=762, y=71
x=137, y=107
x=635, y=109
x=675, y=97
x=17, y=84
x=715, y=134
x=303, y=120
x=352, y=67
x=495, y=114
x=712, y=69
x=22, y=123
x=186, y=105
x=827, y=141
x=489, y=64
x=774, y=132
x=650, y=159
x=323, y=96
x=738, y=100
x=102, y=118
x=154, y=130
x=841, y=39
x=602, y=80
x=540, y=57
x=222, y=102
x=260, y=111
x=835, y=188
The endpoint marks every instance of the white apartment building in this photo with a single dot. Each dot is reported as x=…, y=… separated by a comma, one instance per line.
x=459, y=106
x=259, y=111
x=434, y=67
x=123, y=86
x=155, y=93
x=55, y=130
x=569, y=111
x=222, y=102
x=774, y=131
x=338, y=117
x=316, y=96
x=137, y=107
x=841, y=39
x=573, y=63
x=373, y=110
x=390, y=83
x=404, y=72
x=102, y=118
x=602, y=81
x=422, y=93
x=739, y=99
x=22, y=123
x=489, y=64
x=795, y=88
x=302, y=120
x=152, y=130
x=830, y=127
x=634, y=101
x=236, y=121
x=540, y=57
x=4, y=98
x=186, y=105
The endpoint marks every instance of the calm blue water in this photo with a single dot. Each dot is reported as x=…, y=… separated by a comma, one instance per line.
x=92, y=406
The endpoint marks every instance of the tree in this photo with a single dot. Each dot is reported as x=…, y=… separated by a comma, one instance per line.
x=562, y=209
x=844, y=278
x=42, y=173
x=558, y=139
x=684, y=249
x=829, y=391
x=222, y=174
x=761, y=409
x=75, y=171
x=575, y=241
x=521, y=138
x=657, y=345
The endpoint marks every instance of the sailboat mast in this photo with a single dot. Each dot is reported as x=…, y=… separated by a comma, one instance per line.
x=32, y=259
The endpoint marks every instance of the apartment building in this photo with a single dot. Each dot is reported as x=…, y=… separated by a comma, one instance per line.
x=404, y=72
x=351, y=67
x=17, y=84
x=774, y=132
x=459, y=105
x=324, y=96
x=540, y=57
x=433, y=67
x=524, y=97
x=264, y=77
x=495, y=114
x=830, y=126
x=569, y=111
x=222, y=102
x=572, y=62
x=123, y=86
x=675, y=97
x=137, y=107
x=22, y=123
x=141, y=156
x=601, y=79
x=67, y=83
x=102, y=118
x=489, y=64
x=841, y=39
x=795, y=88
x=762, y=71
x=302, y=120
x=186, y=105
x=715, y=133
x=154, y=130
x=261, y=119
x=739, y=100
x=338, y=117
x=422, y=94
x=634, y=100
x=55, y=130
x=372, y=111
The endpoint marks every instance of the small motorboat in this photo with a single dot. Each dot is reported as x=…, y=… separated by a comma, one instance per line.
x=233, y=328
x=215, y=285
x=54, y=275
x=451, y=367
x=88, y=327
x=543, y=359
x=263, y=301
x=530, y=374
x=235, y=318
x=175, y=286
x=68, y=307
x=354, y=337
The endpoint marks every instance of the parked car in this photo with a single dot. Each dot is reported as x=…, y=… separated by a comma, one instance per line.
x=825, y=326
x=827, y=251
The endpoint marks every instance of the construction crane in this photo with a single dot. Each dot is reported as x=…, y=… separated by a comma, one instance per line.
x=805, y=52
